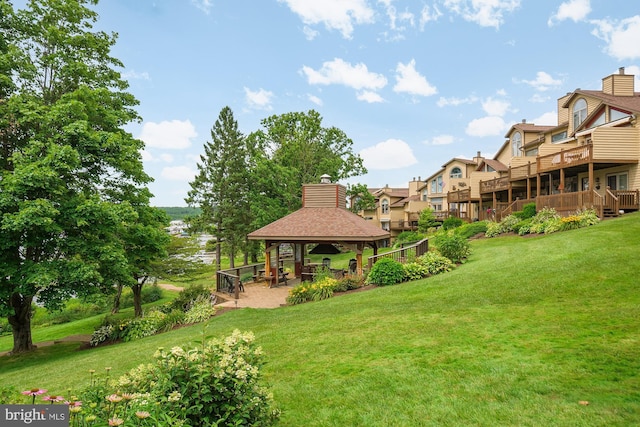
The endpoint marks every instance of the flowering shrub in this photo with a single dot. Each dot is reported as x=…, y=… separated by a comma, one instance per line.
x=100, y=335
x=386, y=272
x=316, y=291
x=570, y=222
x=588, y=217
x=217, y=384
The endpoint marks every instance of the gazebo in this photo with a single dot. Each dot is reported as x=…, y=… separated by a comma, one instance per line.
x=323, y=219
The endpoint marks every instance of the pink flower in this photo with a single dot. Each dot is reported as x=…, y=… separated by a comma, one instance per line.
x=115, y=421
x=53, y=399
x=34, y=392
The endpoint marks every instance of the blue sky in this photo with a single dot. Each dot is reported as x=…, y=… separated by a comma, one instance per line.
x=412, y=83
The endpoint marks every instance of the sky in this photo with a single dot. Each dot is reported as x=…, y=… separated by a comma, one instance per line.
x=413, y=83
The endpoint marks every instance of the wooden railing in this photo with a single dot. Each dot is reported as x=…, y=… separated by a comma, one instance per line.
x=568, y=203
x=572, y=157
x=403, y=254
x=458, y=196
x=629, y=199
x=496, y=184
x=230, y=278
x=525, y=171
x=611, y=202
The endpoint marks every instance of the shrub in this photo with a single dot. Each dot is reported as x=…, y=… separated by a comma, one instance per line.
x=386, y=272
x=141, y=327
x=415, y=271
x=435, y=263
x=508, y=223
x=454, y=247
x=316, y=291
x=218, y=383
x=451, y=223
x=522, y=227
x=543, y=219
x=571, y=222
x=100, y=335
x=493, y=229
x=528, y=211
x=200, y=310
x=588, y=217
x=349, y=282
x=427, y=220
x=172, y=319
x=188, y=296
x=471, y=229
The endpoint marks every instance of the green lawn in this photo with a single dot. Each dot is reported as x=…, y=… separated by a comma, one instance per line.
x=518, y=335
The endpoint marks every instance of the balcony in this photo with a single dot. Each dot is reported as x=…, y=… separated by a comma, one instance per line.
x=497, y=184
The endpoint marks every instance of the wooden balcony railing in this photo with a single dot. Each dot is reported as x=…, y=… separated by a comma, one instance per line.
x=567, y=203
x=572, y=157
x=497, y=184
x=403, y=254
x=525, y=171
x=459, y=196
x=628, y=199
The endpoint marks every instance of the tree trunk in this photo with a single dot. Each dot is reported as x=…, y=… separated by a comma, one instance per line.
x=232, y=256
x=116, y=300
x=137, y=297
x=20, y=322
x=218, y=254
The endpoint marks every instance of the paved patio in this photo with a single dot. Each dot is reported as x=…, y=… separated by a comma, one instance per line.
x=258, y=295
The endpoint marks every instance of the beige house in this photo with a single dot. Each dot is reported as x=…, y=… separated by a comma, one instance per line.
x=588, y=160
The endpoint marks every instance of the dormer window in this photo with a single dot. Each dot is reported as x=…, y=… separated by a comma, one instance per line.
x=579, y=112
x=516, y=144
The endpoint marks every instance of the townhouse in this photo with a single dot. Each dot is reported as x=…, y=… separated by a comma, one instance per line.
x=588, y=160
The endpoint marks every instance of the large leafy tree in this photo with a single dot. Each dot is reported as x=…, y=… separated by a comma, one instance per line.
x=70, y=176
x=360, y=198
x=290, y=150
x=221, y=188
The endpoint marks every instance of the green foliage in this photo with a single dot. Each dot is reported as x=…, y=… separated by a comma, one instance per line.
x=101, y=335
x=451, y=223
x=453, y=246
x=415, y=271
x=435, y=263
x=523, y=227
x=349, y=282
x=188, y=296
x=426, y=220
x=200, y=310
x=320, y=289
x=508, y=223
x=407, y=237
x=180, y=213
x=141, y=327
x=149, y=294
x=493, y=229
x=360, y=198
x=472, y=229
x=386, y=271
x=528, y=211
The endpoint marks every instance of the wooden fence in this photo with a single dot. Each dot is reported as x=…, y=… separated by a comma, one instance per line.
x=403, y=254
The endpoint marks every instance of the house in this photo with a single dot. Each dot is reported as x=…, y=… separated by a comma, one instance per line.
x=588, y=160
x=397, y=209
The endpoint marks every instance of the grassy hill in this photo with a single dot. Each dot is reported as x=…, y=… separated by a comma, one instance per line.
x=525, y=333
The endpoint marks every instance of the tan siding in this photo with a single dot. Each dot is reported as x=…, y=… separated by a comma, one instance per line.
x=616, y=143
x=504, y=157
x=475, y=182
x=563, y=113
x=324, y=196
x=618, y=84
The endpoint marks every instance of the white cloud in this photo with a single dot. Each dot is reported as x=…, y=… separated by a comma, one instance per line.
x=486, y=13
x=445, y=102
x=538, y=99
x=260, y=99
x=409, y=80
x=339, y=15
x=178, y=173
x=621, y=37
x=369, y=96
x=486, y=126
x=549, y=118
x=635, y=70
x=203, y=5
x=341, y=72
x=389, y=154
x=441, y=140
x=396, y=19
x=174, y=134
x=167, y=158
x=427, y=15
x=134, y=75
x=314, y=99
x=310, y=33
x=576, y=10
x=146, y=156
x=495, y=107
x=543, y=81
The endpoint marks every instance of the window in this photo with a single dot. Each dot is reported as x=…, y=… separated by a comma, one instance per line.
x=434, y=184
x=385, y=226
x=531, y=153
x=516, y=144
x=579, y=112
x=424, y=195
x=456, y=173
x=617, y=115
x=440, y=184
x=598, y=121
x=559, y=136
x=617, y=181
x=385, y=206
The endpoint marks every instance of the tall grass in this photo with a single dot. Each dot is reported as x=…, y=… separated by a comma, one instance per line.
x=524, y=333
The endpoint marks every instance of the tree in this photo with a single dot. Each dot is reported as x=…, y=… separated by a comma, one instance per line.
x=360, y=198
x=298, y=150
x=426, y=220
x=70, y=175
x=221, y=188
